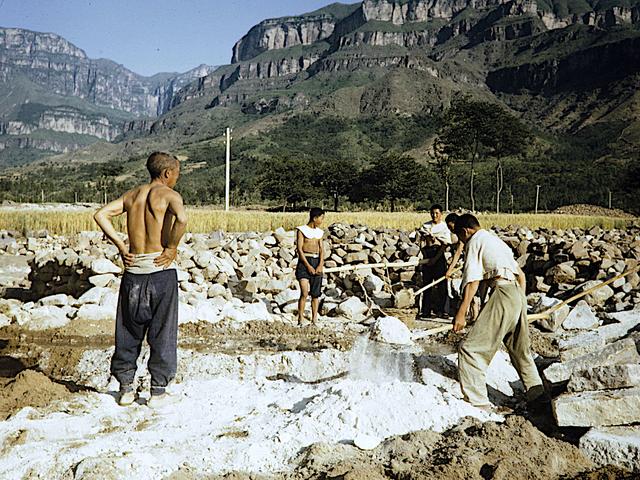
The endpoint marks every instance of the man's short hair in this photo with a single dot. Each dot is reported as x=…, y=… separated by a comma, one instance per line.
x=315, y=212
x=452, y=218
x=466, y=221
x=158, y=162
x=436, y=206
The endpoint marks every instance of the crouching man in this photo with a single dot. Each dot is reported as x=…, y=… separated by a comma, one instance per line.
x=148, y=300
x=503, y=319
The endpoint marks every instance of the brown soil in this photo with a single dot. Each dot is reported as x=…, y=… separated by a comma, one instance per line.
x=28, y=389
x=470, y=451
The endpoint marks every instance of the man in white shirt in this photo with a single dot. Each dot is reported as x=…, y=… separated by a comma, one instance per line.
x=502, y=319
x=435, y=237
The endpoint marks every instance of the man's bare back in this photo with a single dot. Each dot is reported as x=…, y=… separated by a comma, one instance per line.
x=149, y=217
x=156, y=219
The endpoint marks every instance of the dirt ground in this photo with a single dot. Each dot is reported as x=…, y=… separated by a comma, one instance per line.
x=469, y=451
x=29, y=389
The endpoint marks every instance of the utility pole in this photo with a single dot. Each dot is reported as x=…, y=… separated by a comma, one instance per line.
x=609, y=199
x=228, y=171
x=41, y=196
x=537, y=197
x=75, y=197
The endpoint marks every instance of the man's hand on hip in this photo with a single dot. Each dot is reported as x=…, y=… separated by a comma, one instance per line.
x=167, y=257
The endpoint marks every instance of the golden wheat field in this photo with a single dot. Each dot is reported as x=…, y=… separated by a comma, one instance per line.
x=206, y=220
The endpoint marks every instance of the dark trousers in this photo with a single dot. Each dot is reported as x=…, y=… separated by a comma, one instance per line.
x=147, y=307
x=435, y=298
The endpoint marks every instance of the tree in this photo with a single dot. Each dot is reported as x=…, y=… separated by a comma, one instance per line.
x=337, y=177
x=392, y=178
x=475, y=130
x=285, y=179
x=443, y=166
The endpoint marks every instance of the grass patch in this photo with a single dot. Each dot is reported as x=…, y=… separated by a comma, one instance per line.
x=202, y=220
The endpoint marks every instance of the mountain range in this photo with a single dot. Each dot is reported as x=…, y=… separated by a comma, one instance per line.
x=569, y=68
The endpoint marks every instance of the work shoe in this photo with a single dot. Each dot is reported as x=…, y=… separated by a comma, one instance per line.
x=162, y=400
x=127, y=397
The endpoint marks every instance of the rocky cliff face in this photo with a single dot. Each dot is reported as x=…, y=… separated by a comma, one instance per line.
x=52, y=62
x=282, y=33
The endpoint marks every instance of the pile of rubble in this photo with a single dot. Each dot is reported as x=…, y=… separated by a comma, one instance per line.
x=251, y=275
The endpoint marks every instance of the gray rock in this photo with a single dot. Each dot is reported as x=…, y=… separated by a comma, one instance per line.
x=352, y=308
x=598, y=297
x=59, y=300
x=596, y=409
x=102, y=266
x=287, y=297
x=357, y=257
x=581, y=317
x=383, y=299
x=618, y=446
x=581, y=344
x=606, y=377
x=404, y=298
x=103, y=280
x=562, y=273
x=555, y=319
x=391, y=330
x=622, y=351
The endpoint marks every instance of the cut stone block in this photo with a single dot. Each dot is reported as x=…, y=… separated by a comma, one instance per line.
x=596, y=409
x=581, y=317
x=618, y=446
x=579, y=345
x=605, y=378
x=622, y=351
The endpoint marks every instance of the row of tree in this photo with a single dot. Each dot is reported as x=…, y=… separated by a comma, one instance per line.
x=472, y=131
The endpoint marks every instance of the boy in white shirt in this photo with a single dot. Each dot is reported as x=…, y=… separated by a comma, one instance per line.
x=310, y=263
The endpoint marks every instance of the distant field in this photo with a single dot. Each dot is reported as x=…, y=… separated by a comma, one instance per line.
x=61, y=222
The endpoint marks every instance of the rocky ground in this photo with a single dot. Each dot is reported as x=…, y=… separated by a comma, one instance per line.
x=366, y=393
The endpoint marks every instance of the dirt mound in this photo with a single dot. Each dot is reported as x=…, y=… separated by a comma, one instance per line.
x=592, y=210
x=470, y=451
x=28, y=389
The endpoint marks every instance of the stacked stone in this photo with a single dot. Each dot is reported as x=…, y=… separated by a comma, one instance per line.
x=560, y=263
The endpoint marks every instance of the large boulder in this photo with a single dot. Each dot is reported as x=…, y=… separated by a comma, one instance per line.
x=391, y=330
x=596, y=409
x=581, y=317
x=618, y=446
x=620, y=352
x=607, y=377
x=352, y=308
x=43, y=318
x=597, y=297
x=103, y=266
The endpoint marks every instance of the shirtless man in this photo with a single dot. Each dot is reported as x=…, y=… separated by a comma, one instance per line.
x=310, y=263
x=148, y=301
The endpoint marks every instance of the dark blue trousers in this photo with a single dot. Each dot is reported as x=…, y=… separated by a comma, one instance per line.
x=147, y=307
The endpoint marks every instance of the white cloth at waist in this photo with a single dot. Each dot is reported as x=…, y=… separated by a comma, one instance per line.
x=143, y=264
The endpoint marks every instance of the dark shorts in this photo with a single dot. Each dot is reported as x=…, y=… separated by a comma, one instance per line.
x=315, y=281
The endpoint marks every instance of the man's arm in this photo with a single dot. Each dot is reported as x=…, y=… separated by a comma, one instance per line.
x=170, y=251
x=321, y=252
x=454, y=261
x=301, y=256
x=460, y=320
x=522, y=280
x=103, y=219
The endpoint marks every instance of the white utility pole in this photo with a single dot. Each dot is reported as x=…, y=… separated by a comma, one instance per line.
x=537, y=197
x=609, y=199
x=228, y=172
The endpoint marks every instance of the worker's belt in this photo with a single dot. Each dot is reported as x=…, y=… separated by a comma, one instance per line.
x=496, y=282
x=312, y=255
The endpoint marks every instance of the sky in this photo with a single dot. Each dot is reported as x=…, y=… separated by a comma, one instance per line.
x=151, y=36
